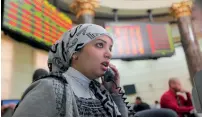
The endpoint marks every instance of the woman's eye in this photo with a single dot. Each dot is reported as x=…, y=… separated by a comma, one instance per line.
x=99, y=45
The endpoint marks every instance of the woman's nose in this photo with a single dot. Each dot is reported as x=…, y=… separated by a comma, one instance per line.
x=108, y=54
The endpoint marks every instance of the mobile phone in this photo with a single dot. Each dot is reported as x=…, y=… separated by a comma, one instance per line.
x=109, y=75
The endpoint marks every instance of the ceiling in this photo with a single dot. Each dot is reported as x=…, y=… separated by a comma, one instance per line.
x=127, y=9
x=132, y=7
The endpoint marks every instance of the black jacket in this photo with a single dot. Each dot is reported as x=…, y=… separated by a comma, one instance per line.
x=141, y=107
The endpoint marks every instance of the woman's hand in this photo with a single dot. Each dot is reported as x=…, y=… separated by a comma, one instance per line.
x=110, y=86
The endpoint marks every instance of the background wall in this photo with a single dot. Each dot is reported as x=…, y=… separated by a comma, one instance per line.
x=18, y=61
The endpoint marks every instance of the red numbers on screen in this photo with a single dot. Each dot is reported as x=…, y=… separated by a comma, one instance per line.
x=36, y=18
x=158, y=38
x=139, y=38
x=128, y=40
x=12, y=14
x=119, y=41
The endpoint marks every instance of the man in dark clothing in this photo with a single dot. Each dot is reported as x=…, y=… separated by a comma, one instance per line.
x=170, y=99
x=139, y=105
x=38, y=73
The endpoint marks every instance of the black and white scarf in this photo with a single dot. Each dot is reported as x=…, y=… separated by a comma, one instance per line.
x=106, y=100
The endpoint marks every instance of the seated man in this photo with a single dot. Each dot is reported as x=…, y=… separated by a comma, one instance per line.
x=39, y=73
x=140, y=105
x=170, y=99
x=142, y=109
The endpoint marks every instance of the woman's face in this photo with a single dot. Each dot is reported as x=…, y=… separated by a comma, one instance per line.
x=94, y=58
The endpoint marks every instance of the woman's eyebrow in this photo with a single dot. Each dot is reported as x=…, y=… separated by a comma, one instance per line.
x=102, y=40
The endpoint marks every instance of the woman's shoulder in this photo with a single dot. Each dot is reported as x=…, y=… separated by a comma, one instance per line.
x=52, y=84
x=53, y=77
x=46, y=93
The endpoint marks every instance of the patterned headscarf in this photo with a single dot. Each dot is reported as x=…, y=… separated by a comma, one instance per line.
x=71, y=42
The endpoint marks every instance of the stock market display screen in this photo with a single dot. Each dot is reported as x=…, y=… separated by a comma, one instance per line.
x=141, y=40
x=36, y=19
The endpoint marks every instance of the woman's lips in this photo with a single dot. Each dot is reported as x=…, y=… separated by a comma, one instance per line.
x=104, y=68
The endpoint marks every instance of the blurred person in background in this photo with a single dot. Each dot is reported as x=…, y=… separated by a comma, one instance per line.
x=170, y=99
x=38, y=74
x=140, y=105
x=7, y=109
x=156, y=105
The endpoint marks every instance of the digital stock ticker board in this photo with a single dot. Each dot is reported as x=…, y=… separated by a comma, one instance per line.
x=38, y=20
x=136, y=40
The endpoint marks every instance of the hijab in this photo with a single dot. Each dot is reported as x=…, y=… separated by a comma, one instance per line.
x=71, y=42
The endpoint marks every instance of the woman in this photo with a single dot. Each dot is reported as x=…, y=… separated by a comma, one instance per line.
x=82, y=55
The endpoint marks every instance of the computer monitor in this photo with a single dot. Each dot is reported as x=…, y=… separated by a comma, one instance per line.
x=129, y=89
x=14, y=101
